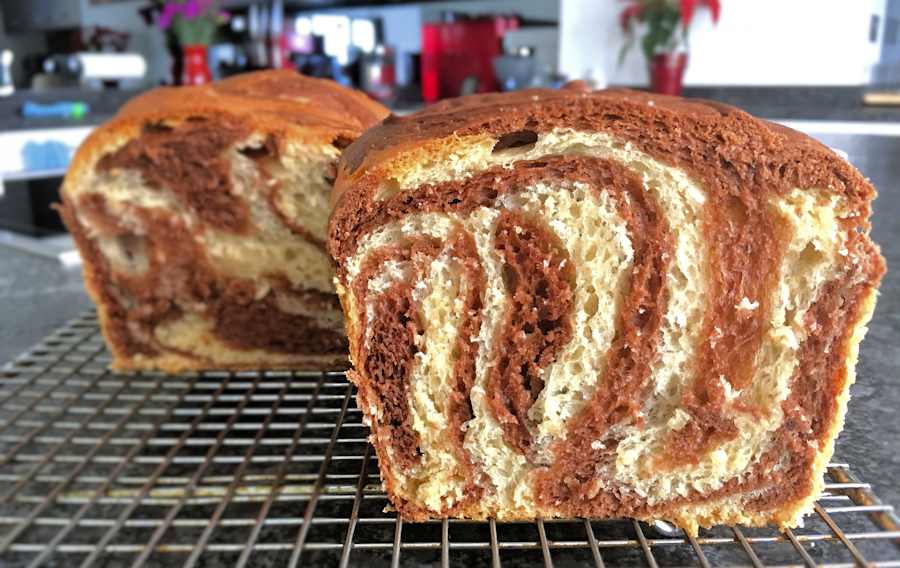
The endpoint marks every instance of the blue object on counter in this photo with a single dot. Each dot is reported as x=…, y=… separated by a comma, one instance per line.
x=42, y=156
x=62, y=109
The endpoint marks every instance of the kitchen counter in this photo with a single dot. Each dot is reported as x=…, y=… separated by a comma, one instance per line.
x=790, y=103
x=838, y=104
x=801, y=103
x=37, y=296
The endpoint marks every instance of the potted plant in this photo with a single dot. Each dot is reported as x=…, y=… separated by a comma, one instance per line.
x=194, y=24
x=665, y=37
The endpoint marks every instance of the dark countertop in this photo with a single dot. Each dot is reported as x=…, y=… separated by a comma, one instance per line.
x=795, y=103
x=800, y=103
x=37, y=296
x=870, y=442
x=818, y=103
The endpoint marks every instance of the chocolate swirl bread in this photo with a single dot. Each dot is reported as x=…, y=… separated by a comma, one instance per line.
x=601, y=304
x=201, y=215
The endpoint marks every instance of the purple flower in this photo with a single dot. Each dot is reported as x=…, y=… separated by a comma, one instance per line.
x=195, y=8
x=192, y=9
x=188, y=9
x=168, y=14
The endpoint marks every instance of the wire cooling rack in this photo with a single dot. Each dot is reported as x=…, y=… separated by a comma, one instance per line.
x=273, y=469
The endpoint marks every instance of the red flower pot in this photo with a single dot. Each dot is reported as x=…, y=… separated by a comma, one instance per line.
x=195, y=65
x=667, y=72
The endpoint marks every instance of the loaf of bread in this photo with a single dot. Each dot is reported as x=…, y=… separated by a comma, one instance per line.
x=201, y=216
x=601, y=304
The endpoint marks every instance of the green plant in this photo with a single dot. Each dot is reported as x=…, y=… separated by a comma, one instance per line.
x=666, y=24
x=194, y=22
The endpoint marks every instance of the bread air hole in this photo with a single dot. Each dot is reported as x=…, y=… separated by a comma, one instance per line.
x=340, y=141
x=254, y=153
x=127, y=253
x=520, y=140
x=157, y=128
x=330, y=173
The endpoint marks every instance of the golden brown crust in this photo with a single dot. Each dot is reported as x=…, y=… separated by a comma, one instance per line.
x=283, y=103
x=268, y=100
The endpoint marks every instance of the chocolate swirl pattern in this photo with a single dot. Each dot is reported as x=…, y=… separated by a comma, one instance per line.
x=601, y=304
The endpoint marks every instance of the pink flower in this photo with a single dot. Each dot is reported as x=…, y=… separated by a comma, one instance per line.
x=688, y=6
x=628, y=14
x=715, y=8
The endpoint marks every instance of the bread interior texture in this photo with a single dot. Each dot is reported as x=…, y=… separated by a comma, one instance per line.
x=278, y=258
x=588, y=223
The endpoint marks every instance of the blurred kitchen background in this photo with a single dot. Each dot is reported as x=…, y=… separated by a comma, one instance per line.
x=824, y=66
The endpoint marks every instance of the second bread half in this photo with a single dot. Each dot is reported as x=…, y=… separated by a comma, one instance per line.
x=201, y=213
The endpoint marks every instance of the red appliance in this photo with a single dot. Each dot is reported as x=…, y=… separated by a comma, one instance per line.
x=454, y=52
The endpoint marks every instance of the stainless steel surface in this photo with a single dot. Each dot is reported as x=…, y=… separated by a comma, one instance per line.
x=273, y=468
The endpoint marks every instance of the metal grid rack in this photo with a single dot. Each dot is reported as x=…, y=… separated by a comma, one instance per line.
x=273, y=469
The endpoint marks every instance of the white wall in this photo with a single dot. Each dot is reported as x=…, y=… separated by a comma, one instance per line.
x=756, y=42
x=146, y=40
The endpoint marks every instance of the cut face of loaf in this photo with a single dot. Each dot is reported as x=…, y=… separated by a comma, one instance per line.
x=201, y=216
x=605, y=304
